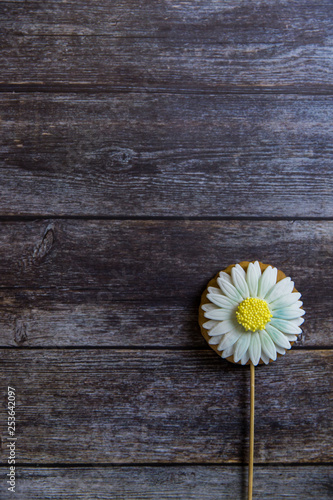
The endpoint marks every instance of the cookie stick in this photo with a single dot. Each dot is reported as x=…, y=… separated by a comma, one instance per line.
x=251, y=450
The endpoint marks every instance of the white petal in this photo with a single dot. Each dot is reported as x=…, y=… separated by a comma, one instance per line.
x=212, y=289
x=292, y=312
x=285, y=326
x=229, y=339
x=257, y=268
x=245, y=358
x=242, y=346
x=283, y=287
x=285, y=300
x=290, y=337
x=215, y=340
x=222, y=327
x=229, y=290
x=255, y=348
x=219, y=314
x=298, y=322
x=280, y=350
x=264, y=357
x=240, y=270
x=240, y=283
x=278, y=338
x=267, y=345
x=252, y=280
x=222, y=301
x=266, y=281
x=210, y=324
x=227, y=352
x=209, y=307
x=225, y=276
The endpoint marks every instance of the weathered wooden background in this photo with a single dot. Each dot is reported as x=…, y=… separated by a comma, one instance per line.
x=144, y=146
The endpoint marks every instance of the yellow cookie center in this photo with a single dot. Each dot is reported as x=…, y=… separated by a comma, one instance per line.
x=253, y=314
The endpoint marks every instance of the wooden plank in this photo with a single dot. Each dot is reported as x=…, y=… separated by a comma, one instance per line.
x=52, y=318
x=31, y=318
x=130, y=406
x=166, y=64
x=160, y=259
x=180, y=46
x=184, y=482
x=149, y=155
x=235, y=21
x=114, y=282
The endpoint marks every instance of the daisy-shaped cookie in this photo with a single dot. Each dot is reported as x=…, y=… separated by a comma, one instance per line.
x=252, y=313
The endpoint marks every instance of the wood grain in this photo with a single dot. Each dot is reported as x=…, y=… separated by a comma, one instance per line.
x=160, y=259
x=234, y=21
x=166, y=65
x=148, y=155
x=210, y=45
x=184, y=482
x=74, y=318
x=151, y=110
x=71, y=282
x=125, y=406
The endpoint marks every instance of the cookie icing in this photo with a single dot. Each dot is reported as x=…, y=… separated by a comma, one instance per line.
x=252, y=316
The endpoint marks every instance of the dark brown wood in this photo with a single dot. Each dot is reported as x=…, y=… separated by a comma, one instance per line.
x=235, y=21
x=68, y=318
x=118, y=282
x=160, y=260
x=165, y=65
x=129, y=110
x=125, y=406
x=64, y=317
x=170, y=45
x=182, y=482
x=31, y=318
x=149, y=155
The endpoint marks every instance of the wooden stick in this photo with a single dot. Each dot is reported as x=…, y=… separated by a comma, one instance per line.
x=250, y=485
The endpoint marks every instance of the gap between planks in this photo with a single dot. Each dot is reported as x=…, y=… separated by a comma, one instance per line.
x=68, y=465
x=77, y=88
x=139, y=218
x=141, y=348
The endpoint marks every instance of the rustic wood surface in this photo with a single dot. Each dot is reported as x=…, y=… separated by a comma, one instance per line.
x=235, y=21
x=165, y=64
x=162, y=259
x=207, y=45
x=144, y=147
x=117, y=283
x=181, y=481
x=160, y=155
x=125, y=406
